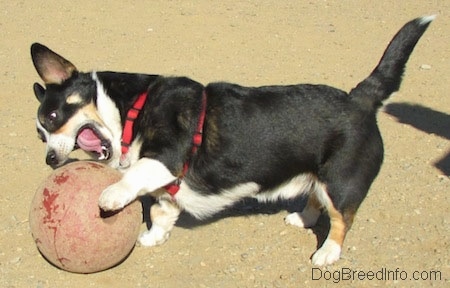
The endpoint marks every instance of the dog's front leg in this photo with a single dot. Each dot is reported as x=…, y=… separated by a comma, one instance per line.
x=163, y=215
x=144, y=176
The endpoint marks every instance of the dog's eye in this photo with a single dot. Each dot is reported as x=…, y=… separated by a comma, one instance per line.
x=52, y=116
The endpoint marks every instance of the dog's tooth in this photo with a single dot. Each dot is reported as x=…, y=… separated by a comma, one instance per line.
x=104, y=154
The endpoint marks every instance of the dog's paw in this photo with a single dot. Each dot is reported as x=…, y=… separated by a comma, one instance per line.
x=295, y=219
x=155, y=236
x=329, y=253
x=115, y=197
x=303, y=220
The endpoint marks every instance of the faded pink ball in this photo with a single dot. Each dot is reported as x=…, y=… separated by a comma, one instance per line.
x=69, y=228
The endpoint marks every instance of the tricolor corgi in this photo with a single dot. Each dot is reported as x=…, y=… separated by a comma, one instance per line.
x=210, y=146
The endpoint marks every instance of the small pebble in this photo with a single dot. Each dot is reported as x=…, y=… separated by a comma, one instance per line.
x=443, y=178
x=15, y=260
x=425, y=67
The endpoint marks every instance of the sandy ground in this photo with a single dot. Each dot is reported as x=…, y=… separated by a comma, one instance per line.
x=402, y=226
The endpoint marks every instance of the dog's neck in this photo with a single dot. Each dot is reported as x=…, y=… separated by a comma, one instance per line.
x=197, y=140
x=123, y=87
x=132, y=114
x=127, y=136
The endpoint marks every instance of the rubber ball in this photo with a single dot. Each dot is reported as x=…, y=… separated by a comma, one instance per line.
x=69, y=228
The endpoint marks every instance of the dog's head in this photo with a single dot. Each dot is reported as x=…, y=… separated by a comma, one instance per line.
x=68, y=117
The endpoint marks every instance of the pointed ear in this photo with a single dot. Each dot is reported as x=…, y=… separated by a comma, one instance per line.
x=52, y=68
x=39, y=91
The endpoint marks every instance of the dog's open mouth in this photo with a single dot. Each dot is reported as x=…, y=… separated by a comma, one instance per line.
x=91, y=140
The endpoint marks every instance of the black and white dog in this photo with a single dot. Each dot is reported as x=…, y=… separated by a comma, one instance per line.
x=211, y=146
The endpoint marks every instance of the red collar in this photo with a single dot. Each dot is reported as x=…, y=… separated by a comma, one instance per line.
x=133, y=113
x=197, y=139
x=127, y=135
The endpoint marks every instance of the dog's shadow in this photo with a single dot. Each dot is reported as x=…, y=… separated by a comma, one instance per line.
x=427, y=120
x=245, y=208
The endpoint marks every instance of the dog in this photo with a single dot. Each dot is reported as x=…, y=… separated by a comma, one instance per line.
x=202, y=148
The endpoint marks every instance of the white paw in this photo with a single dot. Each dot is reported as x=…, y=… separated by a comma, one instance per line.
x=115, y=197
x=294, y=219
x=329, y=253
x=303, y=220
x=155, y=236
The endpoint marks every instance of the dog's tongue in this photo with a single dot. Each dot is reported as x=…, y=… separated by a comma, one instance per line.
x=88, y=141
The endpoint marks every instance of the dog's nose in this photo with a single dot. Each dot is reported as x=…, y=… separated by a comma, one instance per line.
x=52, y=158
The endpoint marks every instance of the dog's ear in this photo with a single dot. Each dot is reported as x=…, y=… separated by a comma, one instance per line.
x=51, y=67
x=39, y=91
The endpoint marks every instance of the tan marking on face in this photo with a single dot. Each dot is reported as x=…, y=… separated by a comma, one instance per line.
x=90, y=112
x=74, y=99
x=87, y=113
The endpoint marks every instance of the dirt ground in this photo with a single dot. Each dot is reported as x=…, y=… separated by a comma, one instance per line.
x=403, y=226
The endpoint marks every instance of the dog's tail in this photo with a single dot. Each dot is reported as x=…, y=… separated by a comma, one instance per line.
x=386, y=78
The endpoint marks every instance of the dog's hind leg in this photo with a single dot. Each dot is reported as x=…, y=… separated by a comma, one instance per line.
x=309, y=216
x=330, y=251
x=341, y=210
x=163, y=215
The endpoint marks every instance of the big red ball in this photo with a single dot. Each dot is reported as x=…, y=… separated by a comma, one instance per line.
x=69, y=228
